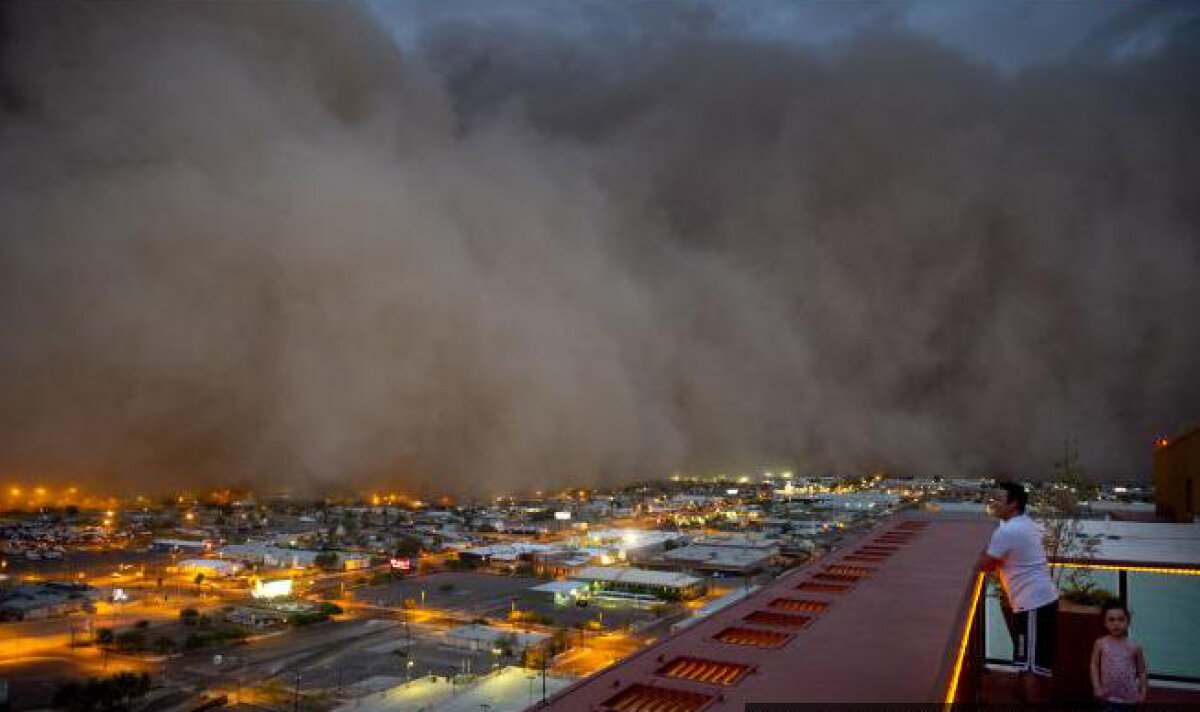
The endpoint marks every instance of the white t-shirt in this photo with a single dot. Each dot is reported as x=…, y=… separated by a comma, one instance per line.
x=1024, y=571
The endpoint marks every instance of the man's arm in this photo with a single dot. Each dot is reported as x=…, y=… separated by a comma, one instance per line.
x=988, y=563
x=998, y=547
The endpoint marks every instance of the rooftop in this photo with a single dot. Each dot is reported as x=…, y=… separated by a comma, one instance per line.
x=811, y=634
x=720, y=556
x=1145, y=543
x=641, y=577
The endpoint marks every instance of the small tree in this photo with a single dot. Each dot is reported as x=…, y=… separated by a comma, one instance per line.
x=104, y=636
x=327, y=560
x=188, y=616
x=131, y=640
x=1060, y=512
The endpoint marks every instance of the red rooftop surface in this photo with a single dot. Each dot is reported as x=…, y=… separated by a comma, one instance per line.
x=879, y=620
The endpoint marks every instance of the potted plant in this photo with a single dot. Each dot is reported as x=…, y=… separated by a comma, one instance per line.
x=1080, y=597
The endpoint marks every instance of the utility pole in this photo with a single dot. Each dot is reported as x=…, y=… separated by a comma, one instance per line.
x=296, y=694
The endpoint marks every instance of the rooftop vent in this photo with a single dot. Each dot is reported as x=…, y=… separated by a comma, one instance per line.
x=752, y=637
x=782, y=620
x=850, y=570
x=893, y=539
x=866, y=558
x=644, y=698
x=799, y=605
x=814, y=587
x=700, y=670
x=837, y=578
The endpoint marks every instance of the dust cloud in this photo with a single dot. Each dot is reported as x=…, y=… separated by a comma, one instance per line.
x=275, y=244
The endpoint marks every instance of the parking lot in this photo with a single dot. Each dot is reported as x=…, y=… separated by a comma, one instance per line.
x=466, y=594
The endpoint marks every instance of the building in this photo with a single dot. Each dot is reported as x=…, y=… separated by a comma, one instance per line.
x=563, y=593
x=211, y=568
x=45, y=600
x=277, y=556
x=189, y=545
x=1177, y=476
x=664, y=585
x=722, y=556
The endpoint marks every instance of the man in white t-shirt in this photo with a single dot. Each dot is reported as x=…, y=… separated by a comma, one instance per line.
x=1016, y=553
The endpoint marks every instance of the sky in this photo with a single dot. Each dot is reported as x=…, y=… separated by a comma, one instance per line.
x=476, y=247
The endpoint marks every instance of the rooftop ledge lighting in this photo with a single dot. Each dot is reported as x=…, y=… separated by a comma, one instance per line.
x=966, y=636
x=1129, y=567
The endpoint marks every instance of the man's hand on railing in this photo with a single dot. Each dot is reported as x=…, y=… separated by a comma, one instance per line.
x=988, y=563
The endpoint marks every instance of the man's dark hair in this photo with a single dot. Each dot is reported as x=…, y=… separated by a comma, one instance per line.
x=1115, y=604
x=1016, y=493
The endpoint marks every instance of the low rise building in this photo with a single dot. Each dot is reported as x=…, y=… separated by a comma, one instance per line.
x=563, y=593
x=210, y=568
x=663, y=585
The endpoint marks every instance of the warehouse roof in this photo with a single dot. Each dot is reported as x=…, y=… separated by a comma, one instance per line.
x=638, y=577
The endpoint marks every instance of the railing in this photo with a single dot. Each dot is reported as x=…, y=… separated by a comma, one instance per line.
x=1165, y=604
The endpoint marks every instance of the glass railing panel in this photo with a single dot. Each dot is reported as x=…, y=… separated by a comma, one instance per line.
x=997, y=643
x=1166, y=622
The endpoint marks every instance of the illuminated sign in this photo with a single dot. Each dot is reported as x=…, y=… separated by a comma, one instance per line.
x=562, y=516
x=402, y=564
x=272, y=589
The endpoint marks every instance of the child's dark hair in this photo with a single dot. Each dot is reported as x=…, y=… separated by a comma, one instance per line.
x=1115, y=604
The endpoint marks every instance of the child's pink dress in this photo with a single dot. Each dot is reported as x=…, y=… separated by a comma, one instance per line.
x=1118, y=670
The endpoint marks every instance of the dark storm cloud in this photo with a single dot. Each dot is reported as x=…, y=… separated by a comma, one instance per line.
x=261, y=243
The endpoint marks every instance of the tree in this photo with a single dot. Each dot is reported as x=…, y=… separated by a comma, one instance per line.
x=327, y=560
x=1060, y=513
x=163, y=644
x=131, y=640
x=142, y=625
x=104, y=636
x=199, y=579
x=188, y=616
x=112, y=694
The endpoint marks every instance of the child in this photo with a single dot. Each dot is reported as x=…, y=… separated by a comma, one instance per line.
x=1118, y=667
